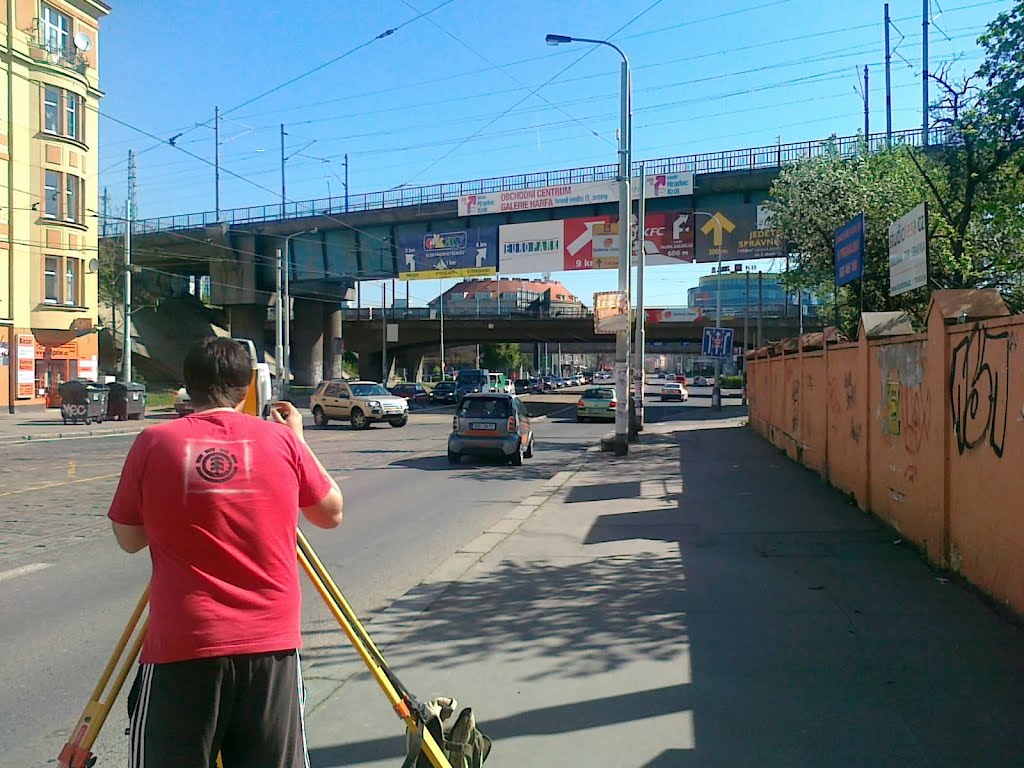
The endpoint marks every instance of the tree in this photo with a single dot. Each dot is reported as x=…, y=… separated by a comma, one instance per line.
x=1003, y=73
x=501, y=357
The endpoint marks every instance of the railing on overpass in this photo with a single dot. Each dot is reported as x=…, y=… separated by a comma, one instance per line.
x=750, y=159
x=463, y=313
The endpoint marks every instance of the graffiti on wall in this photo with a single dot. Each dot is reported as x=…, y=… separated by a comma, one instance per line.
x=979, y=387
x=917, y=404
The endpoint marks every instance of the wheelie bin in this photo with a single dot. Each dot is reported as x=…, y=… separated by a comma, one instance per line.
x=126, y=400
x=83, y=401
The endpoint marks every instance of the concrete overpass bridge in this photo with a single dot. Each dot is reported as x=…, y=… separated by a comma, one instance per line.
x=356, y=237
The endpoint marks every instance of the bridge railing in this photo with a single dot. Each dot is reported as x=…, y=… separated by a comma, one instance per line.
x=463, y=313
x=750, y=159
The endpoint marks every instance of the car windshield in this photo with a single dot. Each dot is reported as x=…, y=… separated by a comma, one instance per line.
x=673, y=386
x=486, y=408
x=471, y=379
x=599, y=394
x=444, y=386
x=368, y=390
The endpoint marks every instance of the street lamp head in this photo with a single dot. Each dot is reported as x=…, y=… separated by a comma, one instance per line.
x=557, y=39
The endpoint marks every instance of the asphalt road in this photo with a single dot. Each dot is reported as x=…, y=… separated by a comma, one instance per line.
x=66, y=590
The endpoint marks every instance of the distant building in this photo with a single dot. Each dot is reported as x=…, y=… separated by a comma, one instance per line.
x=489, y=296
x=736, y=300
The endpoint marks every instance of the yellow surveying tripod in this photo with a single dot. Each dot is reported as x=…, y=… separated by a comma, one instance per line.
x=77, y=752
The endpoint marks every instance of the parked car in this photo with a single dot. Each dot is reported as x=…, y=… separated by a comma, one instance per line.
x=415, y=394
x=491, y=424
x=702, y=381
x=360, y=402
x=183, y=403
x=673, y=390
x=522, y=386
x=445, y=392
x=596, y=403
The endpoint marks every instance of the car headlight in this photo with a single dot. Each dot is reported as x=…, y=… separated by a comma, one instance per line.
x=373, y=403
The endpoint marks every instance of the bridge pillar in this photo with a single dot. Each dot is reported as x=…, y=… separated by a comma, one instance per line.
x=307, y=342
x=248, y=322
x=334, y=332
x=411, y=363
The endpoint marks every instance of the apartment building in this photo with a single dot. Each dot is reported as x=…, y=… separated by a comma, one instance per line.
x=49, y=97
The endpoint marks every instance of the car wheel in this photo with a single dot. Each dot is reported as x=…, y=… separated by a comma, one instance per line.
x=319, y=417
x=454, y=458
x=399, y=422
x=516, y=459
x=359, y=420
x=529, y=450
x=580, y=419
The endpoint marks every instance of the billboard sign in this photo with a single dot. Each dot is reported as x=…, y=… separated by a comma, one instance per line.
x=849, y=251
x=471, y=252
x=717, y=342
x=668, y=237
x=908, y=251
x=668, y=184
x=673, y=315
x=611, y=312
x=26, y=356
x=537, y=198
x=737, y=232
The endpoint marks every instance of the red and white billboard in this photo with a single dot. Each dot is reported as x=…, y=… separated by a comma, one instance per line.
x=673, y=315
x=566, y=245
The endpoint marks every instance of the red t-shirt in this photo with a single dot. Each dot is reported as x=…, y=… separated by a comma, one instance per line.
x=218, y=494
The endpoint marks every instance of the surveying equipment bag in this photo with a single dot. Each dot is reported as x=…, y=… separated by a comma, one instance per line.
x=462, y=742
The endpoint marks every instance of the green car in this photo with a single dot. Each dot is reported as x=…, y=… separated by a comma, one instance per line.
x=596, y=403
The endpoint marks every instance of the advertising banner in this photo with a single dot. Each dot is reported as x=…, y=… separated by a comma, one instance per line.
x=470, y=252
x=849, y=251
x=536, y=198
x=908, y=251
x=668, y=184
x=611, y=312
x=26, y=356
x=672, y=315
x=591, y=243
x=737, y=232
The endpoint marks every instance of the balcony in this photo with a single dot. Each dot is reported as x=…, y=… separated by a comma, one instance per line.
x=64, y=56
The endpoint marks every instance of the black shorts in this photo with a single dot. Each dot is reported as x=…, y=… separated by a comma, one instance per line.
x=246, y=708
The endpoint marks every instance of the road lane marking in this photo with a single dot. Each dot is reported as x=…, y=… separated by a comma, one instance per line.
x=58, y=485
x=23, y=570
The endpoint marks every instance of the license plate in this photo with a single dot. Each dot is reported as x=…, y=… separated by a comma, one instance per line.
x=481, y=425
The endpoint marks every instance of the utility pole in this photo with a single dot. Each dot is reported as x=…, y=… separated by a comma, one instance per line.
x=126, y=349
x=640, y=342
x=440, y=298
x=282, y=170
x=888, y=82
x=279, y=327
x=867, y=112
x=760, y=307
x=746, y=329
x=924, y=72
x=216, y=160
x=106, y=213
x=346, y=182
x=384, y=332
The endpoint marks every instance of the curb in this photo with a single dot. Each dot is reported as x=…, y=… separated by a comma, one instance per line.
x=4, y=440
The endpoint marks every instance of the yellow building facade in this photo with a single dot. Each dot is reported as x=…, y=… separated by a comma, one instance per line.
x=49, y=157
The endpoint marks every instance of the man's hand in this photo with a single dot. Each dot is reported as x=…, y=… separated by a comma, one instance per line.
x=287, y=414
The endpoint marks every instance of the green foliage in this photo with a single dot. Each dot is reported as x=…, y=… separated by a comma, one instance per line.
x=732, y=382
x=1003, y=72
x=501, y=357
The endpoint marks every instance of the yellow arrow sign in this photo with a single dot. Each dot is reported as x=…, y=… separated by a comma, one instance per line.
x=716, y=224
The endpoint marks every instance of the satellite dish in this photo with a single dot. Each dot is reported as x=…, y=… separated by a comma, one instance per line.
x=83, y=42
x=94, y=265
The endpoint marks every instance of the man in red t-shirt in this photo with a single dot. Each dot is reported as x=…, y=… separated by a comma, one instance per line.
x=216, y=496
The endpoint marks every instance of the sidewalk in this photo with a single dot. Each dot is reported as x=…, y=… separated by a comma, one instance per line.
x=701, y=602
x=46, y=424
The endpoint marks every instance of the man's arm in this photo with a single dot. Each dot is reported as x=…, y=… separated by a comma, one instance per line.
x=326, y=513
x=131, y=538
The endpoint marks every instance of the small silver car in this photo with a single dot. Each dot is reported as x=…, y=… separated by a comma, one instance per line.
x=491, y=424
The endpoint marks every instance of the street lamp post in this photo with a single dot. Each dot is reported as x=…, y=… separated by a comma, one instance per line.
x=716, y=390
x=640, y=343
x=440, y=298
x=622, y=373
x=286, y=335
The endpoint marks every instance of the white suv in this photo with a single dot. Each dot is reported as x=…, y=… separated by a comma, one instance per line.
x=360, y=402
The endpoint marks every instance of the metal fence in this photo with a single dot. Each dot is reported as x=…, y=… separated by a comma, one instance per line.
x=750, y=159
x=462, y=313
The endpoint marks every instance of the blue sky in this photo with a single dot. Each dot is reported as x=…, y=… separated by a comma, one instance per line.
x=440, y=101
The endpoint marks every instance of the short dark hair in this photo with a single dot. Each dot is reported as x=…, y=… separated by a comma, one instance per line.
x=217, y=372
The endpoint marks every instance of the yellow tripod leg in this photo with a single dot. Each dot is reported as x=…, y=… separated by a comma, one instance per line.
x=77, y=751
x=430, y=747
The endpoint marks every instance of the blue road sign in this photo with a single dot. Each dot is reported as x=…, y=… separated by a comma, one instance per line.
x=717, y=342
x=849, y=251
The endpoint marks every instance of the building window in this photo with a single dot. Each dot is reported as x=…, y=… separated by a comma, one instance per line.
x=51, y=285
x=72, y=211
x=72, y=271
x=54, y=29
x=51, y=110
x=51, y=208
x=72, y=105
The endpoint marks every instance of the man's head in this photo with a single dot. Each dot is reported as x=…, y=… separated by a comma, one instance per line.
x=217, y=373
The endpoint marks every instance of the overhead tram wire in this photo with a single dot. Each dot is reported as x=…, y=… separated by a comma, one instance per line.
x=291, y=81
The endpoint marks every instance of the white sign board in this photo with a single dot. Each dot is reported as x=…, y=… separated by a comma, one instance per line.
x=667, y=184
x=536, y=198
x=908, y=251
